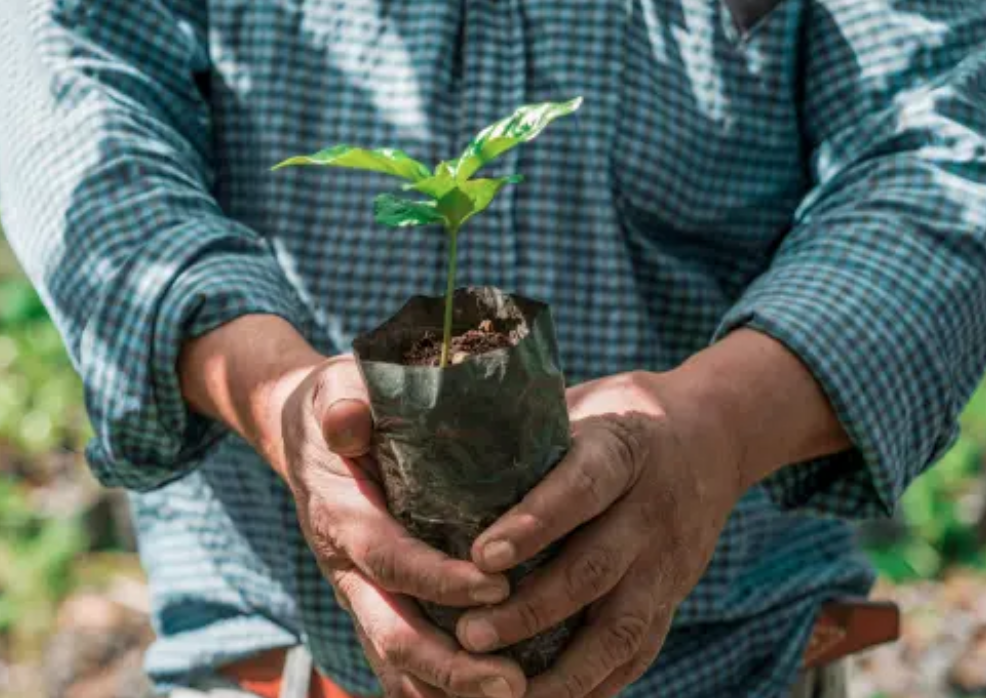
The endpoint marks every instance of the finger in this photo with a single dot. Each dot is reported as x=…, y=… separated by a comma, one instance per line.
x=638, y=666
x=613, y=635
x=341, y=406
x=402, y=564
x=395, y=683
x=353, y=526
x=346, y=510
x=402, y=639
x=603, y=464
x=591, y=564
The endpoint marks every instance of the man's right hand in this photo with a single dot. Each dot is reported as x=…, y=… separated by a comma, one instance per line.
x=309, y=417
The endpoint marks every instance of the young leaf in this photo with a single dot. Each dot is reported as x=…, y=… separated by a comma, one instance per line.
x=401, y=213
x=386, y=160
x=482, y=191
x=436, y=186
x=454, y=198
x=521, y=126
x=467, y=199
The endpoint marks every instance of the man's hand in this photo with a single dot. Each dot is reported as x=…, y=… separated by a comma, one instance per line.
x=658, y=463
x=309, y=417
x=374, y=564
x=657, y=495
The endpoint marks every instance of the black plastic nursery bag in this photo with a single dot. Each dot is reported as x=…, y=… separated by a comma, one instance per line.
x=458, y=446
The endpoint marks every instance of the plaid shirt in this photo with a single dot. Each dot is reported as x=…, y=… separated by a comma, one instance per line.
x=819, y=175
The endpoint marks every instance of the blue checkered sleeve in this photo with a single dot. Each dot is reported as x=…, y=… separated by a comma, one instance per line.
x=106, y=146
x=880, y=286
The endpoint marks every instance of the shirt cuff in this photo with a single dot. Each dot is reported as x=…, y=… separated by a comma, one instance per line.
x=855, y=341
x=191, y=281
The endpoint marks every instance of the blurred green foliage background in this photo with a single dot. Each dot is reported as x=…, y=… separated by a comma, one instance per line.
x=941, y=523
x=60, y=532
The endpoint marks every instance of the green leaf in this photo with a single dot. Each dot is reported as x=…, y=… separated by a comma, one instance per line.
x=436, y=186
x=483, y=191
x=386, y=160
x=401, y=213
x=469, y=198
x=521, y=126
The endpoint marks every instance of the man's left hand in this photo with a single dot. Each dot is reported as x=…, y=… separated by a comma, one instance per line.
x=649, y=483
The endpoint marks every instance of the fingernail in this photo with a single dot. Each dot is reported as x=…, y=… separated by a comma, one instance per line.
x=343, y=439
x=490, y=594
x=481, y=636
x=499, y=554
x=496, y=688
x=343, y=401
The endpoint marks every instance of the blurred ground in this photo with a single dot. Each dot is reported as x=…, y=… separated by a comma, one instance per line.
x=94, y=646
x=73, y=604
x=942, y=651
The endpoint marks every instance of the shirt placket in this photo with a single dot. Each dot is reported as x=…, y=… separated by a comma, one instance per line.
x=494, y=85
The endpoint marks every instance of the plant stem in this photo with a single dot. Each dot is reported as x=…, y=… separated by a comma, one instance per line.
x=449, y=291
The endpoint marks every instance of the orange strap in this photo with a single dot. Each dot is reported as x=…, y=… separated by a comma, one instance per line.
x=842, y=628
x=848, y=626
x=263, y=674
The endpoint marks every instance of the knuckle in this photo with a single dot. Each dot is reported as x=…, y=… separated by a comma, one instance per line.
x=416, y=575
x=623, y=638
x=402, y=568
x=323, y=530
x=396, y=648
x=441, y=580
x=380, y=561
x=576, y=685
x=337, y=378
x=536, y=519
x=588, y=483
x=440, y=675
x=452, y=677
x=619, y=451
x=532, y=617
x=344, y=583
x=592, y=573
x=444, y=678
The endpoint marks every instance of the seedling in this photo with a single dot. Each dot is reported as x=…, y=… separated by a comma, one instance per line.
x=453, y=197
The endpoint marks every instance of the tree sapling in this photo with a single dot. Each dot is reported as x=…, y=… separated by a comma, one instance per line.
x=453, y=196
x=460, y=442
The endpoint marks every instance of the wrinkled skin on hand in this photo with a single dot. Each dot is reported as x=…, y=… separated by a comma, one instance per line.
x=649, y=484
x=376, y=568
x=658, y=463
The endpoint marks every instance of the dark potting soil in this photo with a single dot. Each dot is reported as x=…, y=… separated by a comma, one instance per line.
x=427, y=351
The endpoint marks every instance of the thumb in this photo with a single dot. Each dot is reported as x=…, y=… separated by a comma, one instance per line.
x=342, y=408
